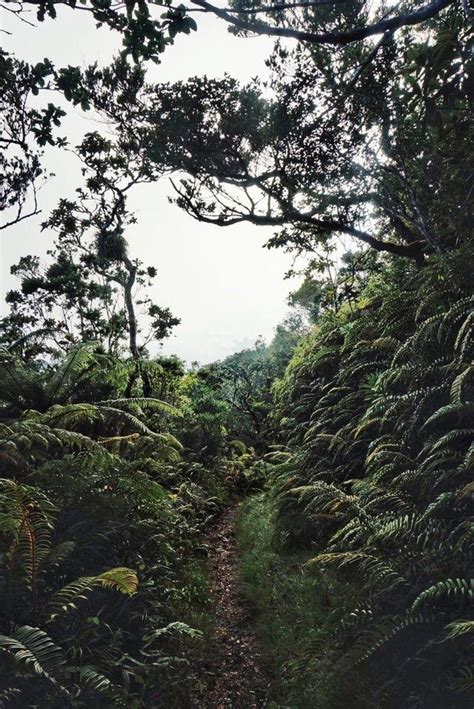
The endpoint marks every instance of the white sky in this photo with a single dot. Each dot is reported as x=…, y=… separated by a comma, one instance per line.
x=224, y=286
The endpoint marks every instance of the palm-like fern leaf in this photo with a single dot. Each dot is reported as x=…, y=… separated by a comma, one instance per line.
x=142, y=403
x=458, y=628
x=60, y=385
x=119, y=579
x=34, y=649
x=450, y=589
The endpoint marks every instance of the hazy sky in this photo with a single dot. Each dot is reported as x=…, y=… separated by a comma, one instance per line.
x=224, y=286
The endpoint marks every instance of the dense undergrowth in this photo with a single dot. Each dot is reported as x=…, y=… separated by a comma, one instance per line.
x=111, y=472
x=357, y=557
x=102, y=511
x=370, y=502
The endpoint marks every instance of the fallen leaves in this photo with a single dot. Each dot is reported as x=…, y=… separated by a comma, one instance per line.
x=238, y=678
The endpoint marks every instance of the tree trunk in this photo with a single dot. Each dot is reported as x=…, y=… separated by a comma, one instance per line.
x=132, y=319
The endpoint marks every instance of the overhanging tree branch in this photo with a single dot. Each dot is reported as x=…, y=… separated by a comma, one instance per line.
x=357, y=34
x=412, y=250
x=280, y=7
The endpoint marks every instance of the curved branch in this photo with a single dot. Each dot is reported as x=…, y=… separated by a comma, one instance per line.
x=411, y=250
x=333, y=38
x=279, y=7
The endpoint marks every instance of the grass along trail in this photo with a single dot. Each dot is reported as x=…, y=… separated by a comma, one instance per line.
x=239, y=680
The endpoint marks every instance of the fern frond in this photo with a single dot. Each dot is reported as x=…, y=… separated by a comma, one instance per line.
x=465, y=679
x=34, y=649
x=458, y=628
x=370, y=570
x=120, y=579
x=371, y=640
x=9, y=695
x=26, y=520
x=464, y=380
x=458, y=414
x=454, y=589
x=142, y=403
x=65, y=378
x=454, y=439
x=18, y=386
x=90, y=677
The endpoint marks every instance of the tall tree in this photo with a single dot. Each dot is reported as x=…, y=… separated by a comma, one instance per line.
x=376, y=156
x=342, y=150
x=92, y=289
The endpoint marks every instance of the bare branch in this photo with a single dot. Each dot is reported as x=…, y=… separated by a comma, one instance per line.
x=19, y=219
x=20, y=216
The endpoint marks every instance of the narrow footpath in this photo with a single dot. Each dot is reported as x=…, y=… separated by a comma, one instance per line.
x=239, y=678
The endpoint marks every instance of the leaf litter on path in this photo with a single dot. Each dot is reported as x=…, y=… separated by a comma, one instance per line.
x=239, y=679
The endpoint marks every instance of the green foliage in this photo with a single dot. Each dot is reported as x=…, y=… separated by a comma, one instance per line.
x=375, y=410
x=92, y=486
x=26, y=529
x=290, y=610
x=244, y=382
x=90, y=290
x=25, y=130
x=367, y=146
x=358, y=560
x=32, y=647
x=122, y=580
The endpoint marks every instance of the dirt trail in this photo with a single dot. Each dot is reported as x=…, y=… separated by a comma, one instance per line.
x=239, y=679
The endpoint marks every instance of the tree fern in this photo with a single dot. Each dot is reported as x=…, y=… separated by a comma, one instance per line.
x=17, y=386
x=59, y=386
x=142, y=403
